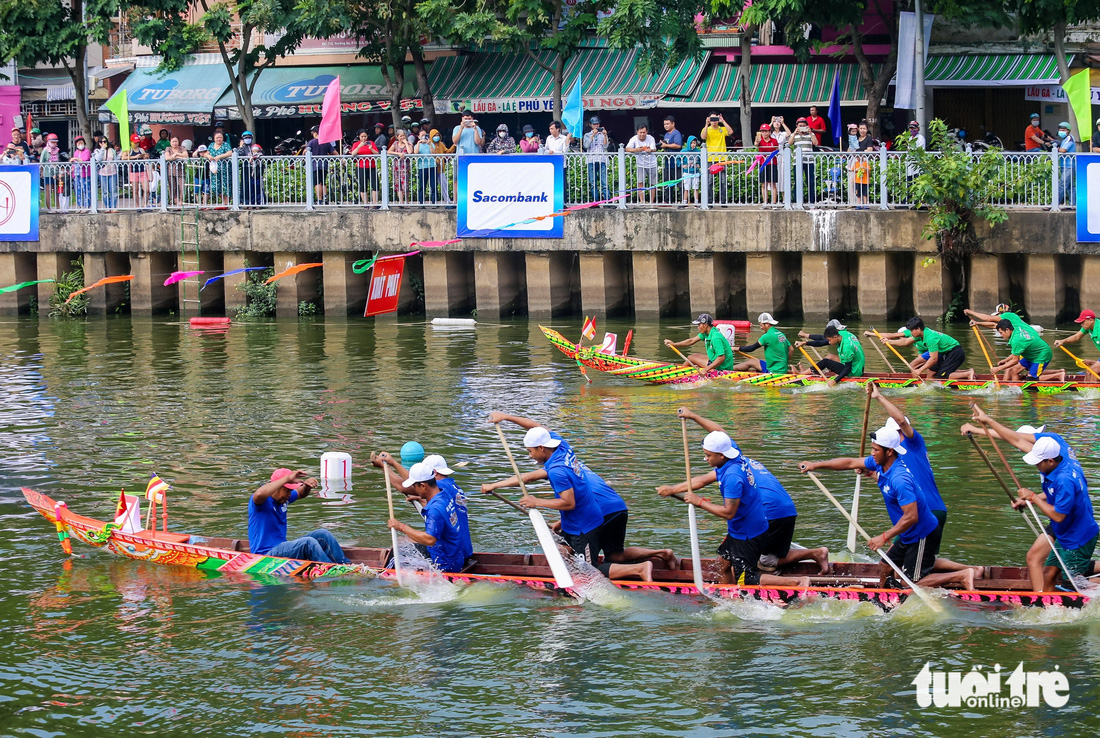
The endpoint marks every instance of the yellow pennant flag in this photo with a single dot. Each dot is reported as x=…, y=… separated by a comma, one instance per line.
x=1079, y=92
x=119, y=105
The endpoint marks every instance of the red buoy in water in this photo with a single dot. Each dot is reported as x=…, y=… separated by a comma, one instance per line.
x=201, y=322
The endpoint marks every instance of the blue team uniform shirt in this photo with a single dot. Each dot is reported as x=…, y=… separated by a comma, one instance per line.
x=735, y=480
x=451, y=533
x=448, y=486
x=920, y=466
x=777, y=502
x=267, y=523
x=899, y=489
x=564, y=472
x=606, y=497
x=1067, y=490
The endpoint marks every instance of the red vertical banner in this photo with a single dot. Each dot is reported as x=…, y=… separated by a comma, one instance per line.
x=385, y=286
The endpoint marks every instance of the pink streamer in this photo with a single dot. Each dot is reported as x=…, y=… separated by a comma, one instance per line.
x=331, y=129
x=179, y=277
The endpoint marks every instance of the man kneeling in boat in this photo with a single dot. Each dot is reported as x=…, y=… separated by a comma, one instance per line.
x=913, y=522
x=1029, y=351
x=742, y=507
x=593, y=515
x=446, y=535
x=267, y=521
x=848, y=360
x=719, y=352
x=777, y=349
x=940, y=355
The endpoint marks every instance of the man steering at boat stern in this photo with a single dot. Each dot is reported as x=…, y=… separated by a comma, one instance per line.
x=267, y=521
x=719, y=352
x=742, y=508
x=907, y=505
x=593, y=515
x=446, y=535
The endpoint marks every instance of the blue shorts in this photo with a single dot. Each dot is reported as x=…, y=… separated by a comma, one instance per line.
x=1034, y=370
x=763, y=366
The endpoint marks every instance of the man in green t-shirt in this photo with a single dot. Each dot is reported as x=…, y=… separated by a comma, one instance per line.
x=940, y=355
x=848, y=360
x=1027, y=351
x=1087, y=321
x=719, y=354
x=777, y=349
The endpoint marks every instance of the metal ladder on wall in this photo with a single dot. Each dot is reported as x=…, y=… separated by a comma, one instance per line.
x=189, y=259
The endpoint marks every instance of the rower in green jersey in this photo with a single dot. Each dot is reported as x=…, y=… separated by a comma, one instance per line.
x=940, y=355
x=1087, y=321
x=777, y=349
x=719, y=352
x=848, y=360
x=1028, y=351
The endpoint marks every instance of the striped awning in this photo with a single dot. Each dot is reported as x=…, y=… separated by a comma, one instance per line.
x=990, y=70
x=777, y=84
x=515, y=83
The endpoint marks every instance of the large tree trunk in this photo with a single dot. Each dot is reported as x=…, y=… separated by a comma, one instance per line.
x=559, y=77
x=744, y=82
x=875, y=85
x=238, y=79
x=80, y=87
x=422, y=81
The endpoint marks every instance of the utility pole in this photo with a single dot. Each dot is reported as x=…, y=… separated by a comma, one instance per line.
x=918, y=64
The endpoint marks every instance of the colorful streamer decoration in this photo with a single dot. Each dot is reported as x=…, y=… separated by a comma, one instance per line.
x=21, y=285
x=364, y=265
x=180, y=276
x=229, y=274
x=292, y=271
x=100, y=283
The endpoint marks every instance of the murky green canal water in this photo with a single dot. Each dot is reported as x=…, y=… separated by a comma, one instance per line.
x=101, y=646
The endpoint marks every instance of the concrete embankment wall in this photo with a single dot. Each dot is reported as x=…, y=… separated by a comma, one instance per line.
x=658, y=262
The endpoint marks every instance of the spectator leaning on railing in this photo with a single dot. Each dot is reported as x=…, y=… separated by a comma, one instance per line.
x=915, y=141
x=366, y=168
x=804, y=139
x=1066, y=145
x=816, y=124
x=467, y=136
x=714, y=136
x=595, y=143
x=502, y=143
x=174, y=156
x=644, y=146
x=769, y=173
x=438, y=148
x=82, y=173
x=18, y=142
x=558, y=140
x=105, y=156
x=427, y=182
x=529, y=142
x=672, y=143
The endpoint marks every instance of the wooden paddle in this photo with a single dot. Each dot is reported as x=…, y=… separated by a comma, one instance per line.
x=813, y=363
x=1038, y=522
x=901, y=358
x=988, y=360
x=393, y=533
x=1081, y=363
x=859, y=477
x=698, y=371
x=693, y=523
x=989, y=463
x=919, y=591
x=562, y=577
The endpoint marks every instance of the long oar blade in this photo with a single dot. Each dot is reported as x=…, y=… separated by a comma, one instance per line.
x=550, y=547
x=851, y=542
x=693, y=522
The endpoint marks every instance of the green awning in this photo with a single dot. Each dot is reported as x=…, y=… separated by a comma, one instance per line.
x=185, y=96
x=293, y=92
x=777, y=84
x=990, y=70
x=501, y=83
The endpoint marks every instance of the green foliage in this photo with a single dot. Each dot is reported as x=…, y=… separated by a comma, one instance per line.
x=285, y=181
x=308, y=309
x=259, y=297
x=958, y=189
x=664, y=34
x=955, y=310
x=66, y=284
x=32, y=305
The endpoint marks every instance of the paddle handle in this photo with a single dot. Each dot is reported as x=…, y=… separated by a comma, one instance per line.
x=812, y=362
x=505, y=500
x=988, y=360
x=851, y=542
x=997, y=475
x=880, y=353
x=1080, y=362
x=1000, y=454
x=901, y=358
x=693, y=522
x=389, y=490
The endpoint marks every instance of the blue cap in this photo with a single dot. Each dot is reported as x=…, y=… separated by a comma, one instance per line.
x=411, y=453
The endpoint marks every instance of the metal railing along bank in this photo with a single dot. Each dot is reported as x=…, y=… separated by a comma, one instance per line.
x=794, y=179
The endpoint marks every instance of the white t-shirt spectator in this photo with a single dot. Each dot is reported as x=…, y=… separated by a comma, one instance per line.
x=646, y=160
x=557, y=144
x=911, y=169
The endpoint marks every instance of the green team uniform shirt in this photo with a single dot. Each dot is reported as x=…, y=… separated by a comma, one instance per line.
x=1093, y=334
x=1027, y=345
x=717, y=345
x=777, y=350
x=849, y=350
x=1015, y=320
x=931, y=341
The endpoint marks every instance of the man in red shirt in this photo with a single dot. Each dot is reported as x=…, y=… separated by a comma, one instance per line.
x=1034, y=137
x=817, y=125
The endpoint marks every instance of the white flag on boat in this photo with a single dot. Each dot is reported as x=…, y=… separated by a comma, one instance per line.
x=610, y=343
x=128, y=513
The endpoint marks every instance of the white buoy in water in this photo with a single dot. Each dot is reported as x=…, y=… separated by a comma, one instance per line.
x=335, y=465
x=454, y=321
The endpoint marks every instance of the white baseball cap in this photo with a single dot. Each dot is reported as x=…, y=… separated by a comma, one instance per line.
x=438, y=464
x=888, y=437
x=1030, y=429
x=420, y=472
x=767, y=318
x=1044, y=448
x=893, y=424
x=539, y=436
x=718, y=442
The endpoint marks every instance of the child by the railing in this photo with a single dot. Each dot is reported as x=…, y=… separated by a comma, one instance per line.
x=104, y=157
x=139, y=178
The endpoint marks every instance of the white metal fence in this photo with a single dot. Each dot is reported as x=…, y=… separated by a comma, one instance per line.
x=791, y=179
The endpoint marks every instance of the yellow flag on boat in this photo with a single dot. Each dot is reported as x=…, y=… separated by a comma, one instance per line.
x=156, y=489
x=589, y=329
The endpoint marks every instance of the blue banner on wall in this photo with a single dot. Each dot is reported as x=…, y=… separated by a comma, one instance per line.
x=19, y=203
x=1088, y=196
x=500, y=195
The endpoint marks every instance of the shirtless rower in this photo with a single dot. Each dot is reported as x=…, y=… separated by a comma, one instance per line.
x=593, y=515
x=742, y=507
x=1028, y=351
x=911, y=518
x=777, y=349
x=848, y=361
x=939, y=355
x=1087, y=321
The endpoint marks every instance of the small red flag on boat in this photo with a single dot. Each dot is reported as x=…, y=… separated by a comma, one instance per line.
x=589, y=329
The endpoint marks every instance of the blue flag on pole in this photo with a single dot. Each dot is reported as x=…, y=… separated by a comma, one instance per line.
x=834, y=109
x=573, y=113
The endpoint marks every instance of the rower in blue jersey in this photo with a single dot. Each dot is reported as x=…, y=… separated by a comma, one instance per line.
x=446, y=536
x=443, y=477
x=777, y=549
x=920, y=466
x=911, y=518
x=742, y=507
x=1022, y=438
x=585, y=501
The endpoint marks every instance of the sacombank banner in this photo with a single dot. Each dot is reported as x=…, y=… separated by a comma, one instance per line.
x=19, y=203
x=497, y=194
